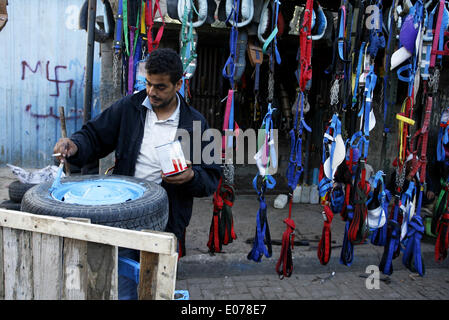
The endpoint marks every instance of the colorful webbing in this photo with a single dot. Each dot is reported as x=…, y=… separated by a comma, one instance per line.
x=406, y=207
x=150, y=13
x=379, y=234
x=295, y=168
x=273, y=35
x=392, y=246
x=284, y=266
x=357, y=76
x=412, y=258
x=305, y=46
x=262, y=229
x=119, y=28
x=324, y=246
x=125, y=24
x=442, y=242
x=347, y=250
x=214, y=243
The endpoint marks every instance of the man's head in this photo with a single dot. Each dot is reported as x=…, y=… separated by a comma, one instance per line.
x=163, y=76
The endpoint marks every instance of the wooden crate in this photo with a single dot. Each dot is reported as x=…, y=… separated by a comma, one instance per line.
x=52, y=258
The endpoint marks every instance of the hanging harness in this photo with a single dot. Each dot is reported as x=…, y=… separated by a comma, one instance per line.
x=222, y=226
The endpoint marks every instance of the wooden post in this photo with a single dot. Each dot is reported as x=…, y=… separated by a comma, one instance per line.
x=157, y=277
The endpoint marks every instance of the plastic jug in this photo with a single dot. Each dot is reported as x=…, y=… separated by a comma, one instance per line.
x=314, y=194
x=305, y=193
x=297, y=194
x=281, y=201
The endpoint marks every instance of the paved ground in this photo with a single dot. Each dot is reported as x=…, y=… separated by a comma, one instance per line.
x=230, y=275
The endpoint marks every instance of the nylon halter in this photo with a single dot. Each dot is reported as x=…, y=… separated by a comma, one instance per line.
x=150, y=13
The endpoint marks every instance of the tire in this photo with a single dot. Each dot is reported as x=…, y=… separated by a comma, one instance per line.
x=150, y=211
x=17, y=189
x=10, y=205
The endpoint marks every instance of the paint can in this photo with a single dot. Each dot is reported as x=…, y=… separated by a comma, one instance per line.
x=171, y=158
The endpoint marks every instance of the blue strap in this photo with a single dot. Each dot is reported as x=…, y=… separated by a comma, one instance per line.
x=341, y=34
x=359, y=66
x=262, y=230
x=119, y=27
x=295, y=169
x=412, y=258
x=386, y=264
x=347, y=249
x=233, y=37
x=336, y=126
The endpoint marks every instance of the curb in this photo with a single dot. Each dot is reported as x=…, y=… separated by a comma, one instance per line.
x=304, y=262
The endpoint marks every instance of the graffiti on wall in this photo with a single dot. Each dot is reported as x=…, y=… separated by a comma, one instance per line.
x=55, y=79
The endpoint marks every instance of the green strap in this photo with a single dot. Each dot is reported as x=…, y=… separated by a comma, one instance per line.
x=125, y=24
x=269, y=39
x=442, y=193
x=186, y=38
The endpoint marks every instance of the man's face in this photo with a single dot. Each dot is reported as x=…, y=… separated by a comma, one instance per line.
x=160, y=90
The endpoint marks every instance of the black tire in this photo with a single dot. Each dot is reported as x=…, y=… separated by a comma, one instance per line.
x=17, y=189
x=150, y=211
x=10, y=205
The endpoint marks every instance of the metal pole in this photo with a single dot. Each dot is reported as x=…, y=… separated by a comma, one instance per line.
x=92, y=14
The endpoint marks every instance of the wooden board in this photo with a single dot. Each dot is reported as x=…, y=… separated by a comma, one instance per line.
x=154, y=241
x=47, y=266
x=18, y=264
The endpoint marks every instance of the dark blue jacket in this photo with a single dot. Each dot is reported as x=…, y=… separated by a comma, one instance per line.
x=121, y=128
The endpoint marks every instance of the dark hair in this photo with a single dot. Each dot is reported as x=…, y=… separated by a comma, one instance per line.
x=165, y=61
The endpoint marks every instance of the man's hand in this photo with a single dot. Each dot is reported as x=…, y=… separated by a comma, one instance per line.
x=66, y=148
x=182, y=177
x=430, y=195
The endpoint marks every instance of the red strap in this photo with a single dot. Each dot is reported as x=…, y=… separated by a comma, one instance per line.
x=284, y=266
x=442, y=242
x=149, y=20
x=305, y=43
x=324, y=246
x=436, y=38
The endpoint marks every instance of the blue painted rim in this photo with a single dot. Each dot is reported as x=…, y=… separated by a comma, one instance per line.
x=98, y=192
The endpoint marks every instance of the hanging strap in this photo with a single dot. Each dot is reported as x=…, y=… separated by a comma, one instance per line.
x=347, y=249
x=305, y=43
x=119, y=27
x=442, y=241
x=262, y=228
x=150, y=13
x=324, y=246
x=214, y=243
x=412, y=258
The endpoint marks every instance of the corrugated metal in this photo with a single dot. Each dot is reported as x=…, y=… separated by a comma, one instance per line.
x=42, y=67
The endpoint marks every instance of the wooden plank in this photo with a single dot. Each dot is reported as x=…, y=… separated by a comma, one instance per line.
x=148, y=275
x=2, y=278
x=166, y=276
x=18, y=265
x=157, y=278
x=102, y=260
x=74, y=285
x=154, y=241
x=47, y=266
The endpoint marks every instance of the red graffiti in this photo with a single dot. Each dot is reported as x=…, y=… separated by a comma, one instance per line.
x=56, y=80
x=51, y=114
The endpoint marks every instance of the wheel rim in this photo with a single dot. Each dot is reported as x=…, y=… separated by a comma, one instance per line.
x=98, y=192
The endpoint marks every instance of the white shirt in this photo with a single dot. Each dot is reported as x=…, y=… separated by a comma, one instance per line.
x=156, y=133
